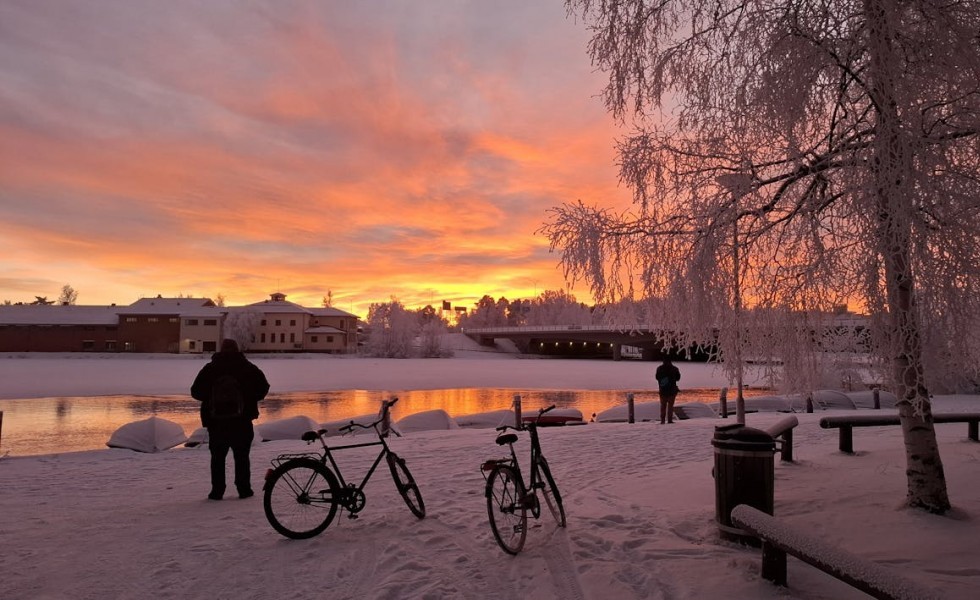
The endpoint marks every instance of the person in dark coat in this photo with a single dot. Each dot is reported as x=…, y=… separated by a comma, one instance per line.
x=667, y=377
x=232, y=432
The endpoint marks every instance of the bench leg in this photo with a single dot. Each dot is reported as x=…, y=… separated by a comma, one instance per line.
x=973, y=431
x=787, y=450
x=846, y=440
x=773, y=563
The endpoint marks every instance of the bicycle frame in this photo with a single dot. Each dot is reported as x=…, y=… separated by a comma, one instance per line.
x=328, y=456
x=531, y=489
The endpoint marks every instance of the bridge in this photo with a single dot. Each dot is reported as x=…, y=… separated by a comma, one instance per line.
x=580, y=340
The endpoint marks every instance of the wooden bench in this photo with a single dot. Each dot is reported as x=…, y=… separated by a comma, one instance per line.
x=779, y=539
x=846, y=423
x=782, y=431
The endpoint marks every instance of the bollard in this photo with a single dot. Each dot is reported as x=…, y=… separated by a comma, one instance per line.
x=517, y=411
x=1, y=427
x=876, y=394
x=629, y=407
x=723, y=401
x=809, y=403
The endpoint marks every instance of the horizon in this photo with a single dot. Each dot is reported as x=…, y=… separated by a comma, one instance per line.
x=371, y=151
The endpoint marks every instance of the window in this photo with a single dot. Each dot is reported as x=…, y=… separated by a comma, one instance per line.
x=262, y=338
x=282, y=338
x=131, y=319
x=110, y=345
x=152, y=319
x=88, y=345
x=292, y=322
x=210, y=346
x=313, y=339
x=190, y=322
x=210, y=322
x=192, y=345
x=262, y=322
x=129, y=346
x=174, y=320
x=329, y=339
x=292, y=337
x=278, y=322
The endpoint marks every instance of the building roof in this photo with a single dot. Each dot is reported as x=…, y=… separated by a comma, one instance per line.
x=329, y=311
x=325, y=329
x=165, y=306
x=33, y=314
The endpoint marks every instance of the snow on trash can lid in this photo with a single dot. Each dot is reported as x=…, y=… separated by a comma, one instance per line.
x=737, y=435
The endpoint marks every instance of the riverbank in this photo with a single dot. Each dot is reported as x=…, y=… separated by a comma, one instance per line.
x=35, y=375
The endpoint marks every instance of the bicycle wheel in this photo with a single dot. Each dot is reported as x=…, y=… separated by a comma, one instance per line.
x=301, y=498
x=406, y=485
x=505, y=505
x=550, y=491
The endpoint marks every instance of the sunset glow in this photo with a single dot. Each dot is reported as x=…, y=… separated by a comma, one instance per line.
x=373, y=149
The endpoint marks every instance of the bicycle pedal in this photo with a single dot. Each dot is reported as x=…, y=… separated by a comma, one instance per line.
x=352, y=516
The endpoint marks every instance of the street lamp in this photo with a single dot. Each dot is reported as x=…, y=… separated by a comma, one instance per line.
x=738, y=185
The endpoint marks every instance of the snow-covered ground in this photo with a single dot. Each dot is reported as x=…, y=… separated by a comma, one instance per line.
x=640, y=501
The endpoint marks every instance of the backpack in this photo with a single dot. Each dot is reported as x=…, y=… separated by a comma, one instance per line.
x=227, y=401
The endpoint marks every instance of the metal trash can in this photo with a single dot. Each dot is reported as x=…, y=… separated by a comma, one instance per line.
x=744, y=474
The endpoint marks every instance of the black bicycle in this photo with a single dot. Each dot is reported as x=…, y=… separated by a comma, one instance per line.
x=303, y=492
x=509, y=499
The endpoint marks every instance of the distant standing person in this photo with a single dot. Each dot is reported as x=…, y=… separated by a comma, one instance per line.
x=230, y=388
x=667, y=377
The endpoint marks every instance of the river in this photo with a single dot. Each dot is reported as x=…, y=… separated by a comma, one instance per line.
x=70, y=424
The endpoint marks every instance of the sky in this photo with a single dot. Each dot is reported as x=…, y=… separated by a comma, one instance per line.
x=373, y=149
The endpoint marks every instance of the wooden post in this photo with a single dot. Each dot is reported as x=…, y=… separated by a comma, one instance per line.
x=723, y=401
x=1, y=427
x=386, y=416
x=876, y=393
x=809, y=403
x=629, y=408
x=517, y=411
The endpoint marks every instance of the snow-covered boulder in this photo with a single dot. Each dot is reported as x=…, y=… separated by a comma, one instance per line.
x=149, y=435
x=642, y=411
x=865, y=399
x=291, y=428
x=555, y=416
x=694, y=410
x=486, y=420
x=426, y=421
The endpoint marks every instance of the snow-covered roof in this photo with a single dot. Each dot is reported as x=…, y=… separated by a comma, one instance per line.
x=330, y=330
x=329, y=311
x=280, y=306
x=165, y=306
x=33, y=314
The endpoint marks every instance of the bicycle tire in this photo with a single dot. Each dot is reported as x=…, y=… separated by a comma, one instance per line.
x=552, y=497
x=407, y=488
x=301, y=498
x=506, y=508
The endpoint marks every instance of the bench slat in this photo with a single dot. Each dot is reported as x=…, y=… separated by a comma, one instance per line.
x=867, y=576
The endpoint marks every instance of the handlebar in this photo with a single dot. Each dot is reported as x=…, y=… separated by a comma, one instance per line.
x=385, y=407
x=541, y=412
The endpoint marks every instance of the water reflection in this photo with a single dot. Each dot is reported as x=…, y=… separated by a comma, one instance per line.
x=68, y=424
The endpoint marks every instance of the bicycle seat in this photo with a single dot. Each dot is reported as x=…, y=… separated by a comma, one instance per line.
x=506, y=438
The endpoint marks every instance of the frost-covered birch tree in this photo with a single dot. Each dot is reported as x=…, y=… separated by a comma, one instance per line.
x=787, y=156
x=392, y=330
x=240, y=325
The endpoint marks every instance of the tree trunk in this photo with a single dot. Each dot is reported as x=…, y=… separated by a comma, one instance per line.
x=892, y=165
